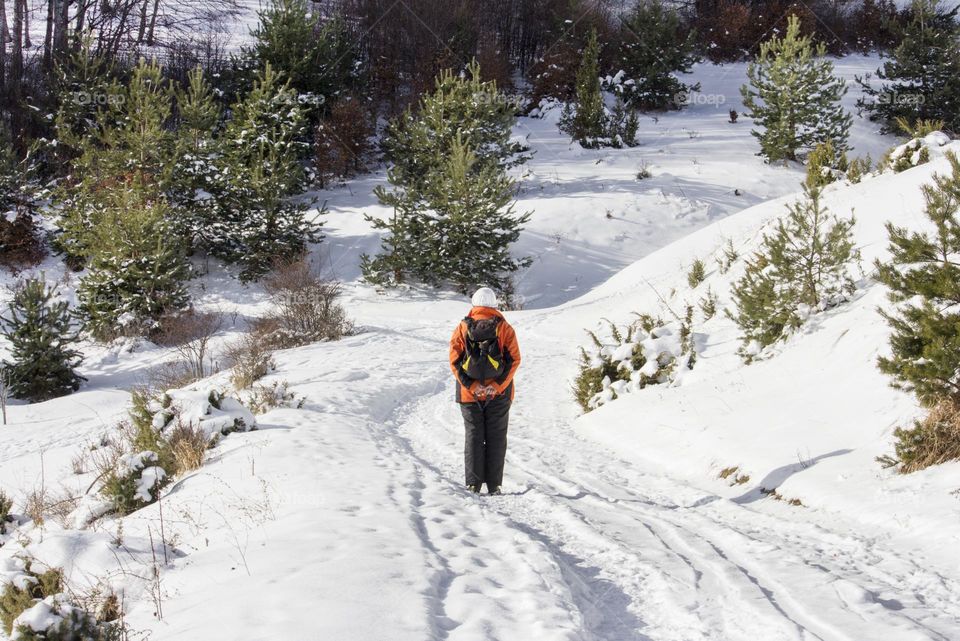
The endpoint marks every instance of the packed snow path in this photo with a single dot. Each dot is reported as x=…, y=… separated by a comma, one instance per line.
x=581, y=546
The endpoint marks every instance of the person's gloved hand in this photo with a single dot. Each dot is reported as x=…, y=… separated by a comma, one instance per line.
x=482, y=392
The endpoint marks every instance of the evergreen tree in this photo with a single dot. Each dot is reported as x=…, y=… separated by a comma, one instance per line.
x=83, y=83
x=457, y=230
x=655, y=47
x=921, y=79
x=38, y=329
x=130, y=146
x=250, y=218
x=586, y=120
x=794, y=96
x=417, y=141
x=924, y=280
x=195, y=169
x=315, y=55
x=141, y=277
x=804, y=266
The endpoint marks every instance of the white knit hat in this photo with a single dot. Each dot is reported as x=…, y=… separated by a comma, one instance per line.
x=484, y=297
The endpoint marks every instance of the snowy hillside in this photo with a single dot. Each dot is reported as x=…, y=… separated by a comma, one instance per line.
x=343, y=515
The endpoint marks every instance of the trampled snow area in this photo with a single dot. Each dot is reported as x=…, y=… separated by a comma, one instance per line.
x=347, y=519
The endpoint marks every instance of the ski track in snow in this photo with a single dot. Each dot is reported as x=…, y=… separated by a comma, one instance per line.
x=584, y=546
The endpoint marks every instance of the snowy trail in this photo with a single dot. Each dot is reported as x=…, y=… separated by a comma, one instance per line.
x=644, y=556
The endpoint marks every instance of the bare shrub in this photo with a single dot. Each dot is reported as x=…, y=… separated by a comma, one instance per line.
x=168, y=376
x=305, y=307
x=343, y=140
x=22, y=243
x=190, y=333
x=933, y=440
x=188, y=445
x=250, y=358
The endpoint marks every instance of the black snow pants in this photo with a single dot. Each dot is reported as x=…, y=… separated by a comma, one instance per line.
x=486, y=440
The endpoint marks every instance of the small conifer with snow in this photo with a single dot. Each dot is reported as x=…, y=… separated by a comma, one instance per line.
x=804, y=266
x=141, y=277
x=655, y=48
x=794, y=97
x=38, y=328
x=457, y=229
x=313, y=53
x=131, y=147
x=194, y=168
x=586, y=120
x=924, y=280
x=417, y=142
x=250, y=219
x=921, y=78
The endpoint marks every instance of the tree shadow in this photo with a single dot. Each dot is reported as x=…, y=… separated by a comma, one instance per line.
x=776, y=477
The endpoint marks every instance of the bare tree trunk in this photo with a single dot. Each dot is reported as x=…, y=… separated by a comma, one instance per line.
x=4, y=39
x=27, y=43
x=61, y=25
x=143, y=21
x=153, y=21
x=16, y=74
x=48, y=37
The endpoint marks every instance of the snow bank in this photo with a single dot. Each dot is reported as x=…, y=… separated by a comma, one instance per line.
x=810, y=418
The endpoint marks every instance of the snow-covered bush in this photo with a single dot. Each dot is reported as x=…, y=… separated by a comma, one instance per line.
x=168, y=434
x=208, y=410
x=646, y=352
x=263, y=398
x=825, y=164
x=916, y=152
x=6, y=504
x=23, y=586
x=35, y=606
x=135, y=481
x=805, y=266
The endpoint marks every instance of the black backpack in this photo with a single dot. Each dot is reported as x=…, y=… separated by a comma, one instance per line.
x=483, y=358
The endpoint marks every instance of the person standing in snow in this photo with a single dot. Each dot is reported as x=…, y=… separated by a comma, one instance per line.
x=484, y=356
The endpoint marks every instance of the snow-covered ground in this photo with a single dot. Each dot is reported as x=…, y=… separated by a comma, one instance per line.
x=347, y=519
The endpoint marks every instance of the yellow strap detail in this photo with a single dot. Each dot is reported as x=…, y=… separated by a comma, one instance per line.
x=466, y=363
x=493, y=361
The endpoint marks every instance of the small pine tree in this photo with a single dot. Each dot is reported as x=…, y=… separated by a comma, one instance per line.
x=655, y=48
x=141, y=278
x=804, y=266
x=316, y=55
x=417, y=142
x=38, y=328
x=921, y=79
x=825, y=165
x=586, y=121
x=697, y=273
x=924, y=280
x=250, y=219
x=195, y=169
x=458, y=230
x=131, y=143
x=794, y=96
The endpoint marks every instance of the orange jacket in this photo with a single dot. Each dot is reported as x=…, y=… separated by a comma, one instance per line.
x=508, y=345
